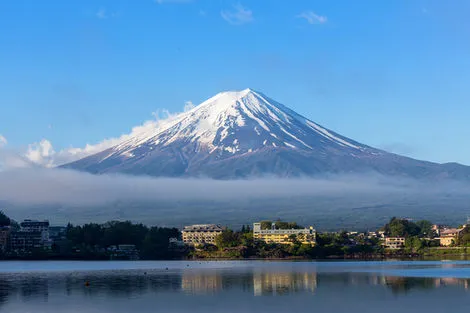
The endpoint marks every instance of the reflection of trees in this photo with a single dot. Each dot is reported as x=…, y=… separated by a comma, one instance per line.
x=34, y=287
x=121, y=284
x=25, y=287
x=5, y=290
x=278, y=283
x=116, y=284
x=129, y=284
x=396, y=284
x=405, y=284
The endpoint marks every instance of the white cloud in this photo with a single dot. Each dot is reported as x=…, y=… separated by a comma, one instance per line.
x=313, y=18
x=10, y=159
x=65, y=195
x=239, y=16
x=43, y=153
x=101, y=14
x=188, y=105
x=48, y=186
x=3, y=141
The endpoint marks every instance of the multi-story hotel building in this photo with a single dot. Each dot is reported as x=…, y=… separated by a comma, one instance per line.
x=201, y=234
x=284, y=236
x=394, y=243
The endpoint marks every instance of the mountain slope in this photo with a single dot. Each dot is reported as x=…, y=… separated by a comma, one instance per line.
x=244, y=134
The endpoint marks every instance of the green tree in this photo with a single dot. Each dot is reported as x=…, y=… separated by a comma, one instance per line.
x=227, y=239
x=116, y=233
x=4, y=219
x=401, y=228
x=92, y=234
x=425, y=228
x=414, y=244
x=266, y=225
x=156, y=242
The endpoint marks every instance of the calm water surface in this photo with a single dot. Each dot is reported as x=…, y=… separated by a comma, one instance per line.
x=234, y=287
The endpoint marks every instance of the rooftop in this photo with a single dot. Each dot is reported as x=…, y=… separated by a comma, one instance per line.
x=202, y=227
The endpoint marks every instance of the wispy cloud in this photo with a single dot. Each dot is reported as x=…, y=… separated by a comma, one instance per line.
x=104, y=14
x=65, y=195
x=101, y=14
x=43, y=153
x=188, y=105
x=240, y=15
x=11, y=159
x=48, y=186
x=313, y=18
x=3, y=141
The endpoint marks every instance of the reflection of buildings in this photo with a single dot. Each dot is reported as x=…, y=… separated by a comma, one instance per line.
x=201, y=283
x=272, y=283
x=448, y=281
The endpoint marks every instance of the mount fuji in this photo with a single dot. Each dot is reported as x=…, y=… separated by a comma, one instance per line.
x=241, y=134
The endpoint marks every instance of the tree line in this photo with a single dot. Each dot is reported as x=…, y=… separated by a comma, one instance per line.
x=90, y=239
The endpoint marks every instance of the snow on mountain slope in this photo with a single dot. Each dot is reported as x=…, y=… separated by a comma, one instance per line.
x=245, y=133
x=224, y=122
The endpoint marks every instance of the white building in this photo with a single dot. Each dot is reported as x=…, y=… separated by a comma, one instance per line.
x=201, y=234
x=35, y=226
x=283, y=236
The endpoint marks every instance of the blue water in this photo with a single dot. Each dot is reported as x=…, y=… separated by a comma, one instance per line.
x=234, y=286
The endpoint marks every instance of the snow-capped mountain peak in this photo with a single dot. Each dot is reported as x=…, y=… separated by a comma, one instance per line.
x=236, y=122
x=245, y=133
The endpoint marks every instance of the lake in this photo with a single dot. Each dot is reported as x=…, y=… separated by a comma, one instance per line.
x=234, y=286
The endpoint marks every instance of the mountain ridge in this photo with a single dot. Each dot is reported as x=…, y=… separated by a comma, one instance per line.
x=239, y=134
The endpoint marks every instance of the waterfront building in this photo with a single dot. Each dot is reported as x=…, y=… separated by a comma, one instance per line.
x=394, y=243
x=22, y=242
x=123, y=252
x=201, y=234
x=4, y=234
x=33, y=235
x=284, y=236
x=449, y=236
x=33, y=226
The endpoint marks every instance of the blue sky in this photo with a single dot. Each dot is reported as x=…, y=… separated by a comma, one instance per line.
x=391, y=74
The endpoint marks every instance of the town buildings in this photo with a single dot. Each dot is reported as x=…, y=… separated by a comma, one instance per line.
x=394, y=243
x=124, y=252
x=284, y=236
x=4, y=234
x=201, y=234
x=33, y=235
